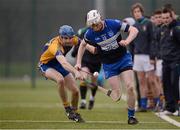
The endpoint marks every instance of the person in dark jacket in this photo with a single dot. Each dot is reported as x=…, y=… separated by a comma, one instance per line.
x=143, y=55
x=174, y=15
x=158, y=25
x=170, y=52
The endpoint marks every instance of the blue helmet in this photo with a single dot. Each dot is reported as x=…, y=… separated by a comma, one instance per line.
x=66, y=31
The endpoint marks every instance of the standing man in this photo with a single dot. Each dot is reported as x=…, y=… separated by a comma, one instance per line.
x=143, y=58
x=174, y=15
x=54, y=66
x=105, y=36
x=156, y=41
x=170, y=51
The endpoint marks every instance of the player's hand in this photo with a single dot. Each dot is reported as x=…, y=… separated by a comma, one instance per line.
x=123, y=43
x=77, y=66
x=78, y=75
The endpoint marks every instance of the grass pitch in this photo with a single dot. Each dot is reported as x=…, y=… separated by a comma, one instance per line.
x=22, y=107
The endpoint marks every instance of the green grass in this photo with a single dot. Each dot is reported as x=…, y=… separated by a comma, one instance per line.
x=22, y=107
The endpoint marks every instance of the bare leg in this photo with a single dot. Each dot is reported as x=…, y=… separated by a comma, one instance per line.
x=153, y=85
x=71, y=85
x=159, y=81
x=58, y=78
x=128, y=79
x=152, y=82
x=116, y=90
x=143, y=90
x=143, y=84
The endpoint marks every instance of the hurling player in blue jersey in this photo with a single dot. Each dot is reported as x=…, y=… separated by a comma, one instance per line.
x=105, y=36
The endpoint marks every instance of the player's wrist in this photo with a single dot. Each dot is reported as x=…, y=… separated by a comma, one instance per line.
x=128, y=41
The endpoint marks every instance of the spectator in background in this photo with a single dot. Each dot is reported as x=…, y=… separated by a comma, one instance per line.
x=144, y=59
x=170, y=7
x=156, y=42
x=170, y=52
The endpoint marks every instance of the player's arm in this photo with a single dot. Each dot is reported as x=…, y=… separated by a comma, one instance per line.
x=54, y=49
x=91, y=49
x=132, y=33
x=61, y=59
x=81, y=50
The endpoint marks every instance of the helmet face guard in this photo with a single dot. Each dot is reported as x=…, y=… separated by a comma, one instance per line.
x=66, y=31
x=93, y=17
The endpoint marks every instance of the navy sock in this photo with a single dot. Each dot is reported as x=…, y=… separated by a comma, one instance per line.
x=131, y=112
x=144, y=103
x=156, y=100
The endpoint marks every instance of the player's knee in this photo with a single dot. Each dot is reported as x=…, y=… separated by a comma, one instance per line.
x=74, y=88
x=116, y=94
x=130, y=88
x=75, y=91
x=60, y=82
x=150, y=78
x=129, y=84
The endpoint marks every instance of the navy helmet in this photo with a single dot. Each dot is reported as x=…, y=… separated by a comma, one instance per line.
x=66, y=31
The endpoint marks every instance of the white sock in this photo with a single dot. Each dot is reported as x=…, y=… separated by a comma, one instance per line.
x=83, y=101
x=91, y=98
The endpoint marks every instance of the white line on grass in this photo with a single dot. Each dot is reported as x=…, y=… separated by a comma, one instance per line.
x=168, y=119
x=93, y=122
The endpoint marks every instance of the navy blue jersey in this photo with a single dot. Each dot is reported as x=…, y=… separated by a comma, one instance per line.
x=143, y=41
x=107, y=40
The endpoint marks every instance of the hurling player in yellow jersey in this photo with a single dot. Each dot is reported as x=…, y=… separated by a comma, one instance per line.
x=54, y=66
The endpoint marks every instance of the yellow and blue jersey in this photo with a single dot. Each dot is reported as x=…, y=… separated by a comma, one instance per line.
x=55, y=47
x=50, y=50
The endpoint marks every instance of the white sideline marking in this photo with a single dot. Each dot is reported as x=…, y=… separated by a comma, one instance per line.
x=168, y=119
x=94, y=122
x=162, y=116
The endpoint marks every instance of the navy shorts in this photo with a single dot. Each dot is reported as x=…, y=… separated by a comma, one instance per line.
x=123, y=64
x=93, y=67
x=55, y=65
